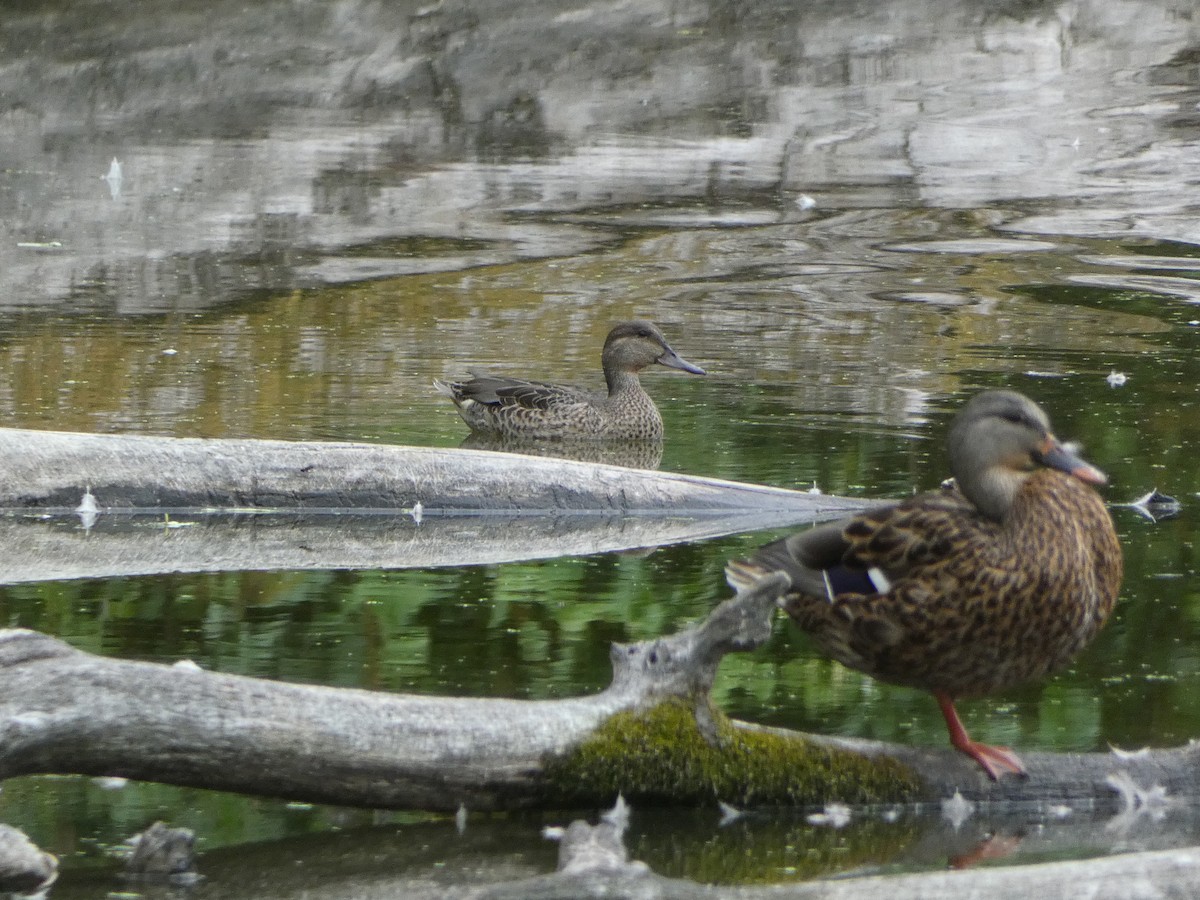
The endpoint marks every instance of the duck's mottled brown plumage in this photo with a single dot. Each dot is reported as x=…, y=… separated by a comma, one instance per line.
x=516, y=408
x=966, y=602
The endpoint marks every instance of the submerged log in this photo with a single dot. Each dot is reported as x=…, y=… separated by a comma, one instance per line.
x=652, y=734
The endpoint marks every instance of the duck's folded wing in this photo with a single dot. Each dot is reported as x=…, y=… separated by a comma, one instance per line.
x=803, y=557
x=505, y=392
x=898, y=540
x=865, y=554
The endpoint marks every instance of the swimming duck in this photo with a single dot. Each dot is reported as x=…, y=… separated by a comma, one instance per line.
x=999, y=577
x=513, y=407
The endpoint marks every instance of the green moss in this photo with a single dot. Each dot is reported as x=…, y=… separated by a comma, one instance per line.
x=659, y=755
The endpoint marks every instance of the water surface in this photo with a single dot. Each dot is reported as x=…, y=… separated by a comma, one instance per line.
x=852, y=234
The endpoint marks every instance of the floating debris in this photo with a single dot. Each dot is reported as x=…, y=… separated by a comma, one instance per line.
x=835, y=815
x=618, y=816
x=1136, y=800
x=591, y=848
x=729, y=813
x=1155, y=505
x=114, y=177
x=88, y=509
x=1128, y=754
x=460, y=818
x=957, y=809
x=110, y=782
x=1116, y=379
x=417, y=512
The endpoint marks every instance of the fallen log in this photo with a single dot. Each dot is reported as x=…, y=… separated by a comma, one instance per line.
x=53, y=471
x=89, y=506
x=652, y=735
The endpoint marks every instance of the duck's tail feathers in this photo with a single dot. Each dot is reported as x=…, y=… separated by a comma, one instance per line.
x=745, y=573
x=446, y=387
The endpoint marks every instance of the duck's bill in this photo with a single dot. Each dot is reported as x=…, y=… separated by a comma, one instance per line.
x=1065, y=459
x=673, y=360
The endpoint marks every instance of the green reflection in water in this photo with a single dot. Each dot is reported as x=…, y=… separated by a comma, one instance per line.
x=803, y=394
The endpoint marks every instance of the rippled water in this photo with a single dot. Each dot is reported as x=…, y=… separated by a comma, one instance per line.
x=844, y=309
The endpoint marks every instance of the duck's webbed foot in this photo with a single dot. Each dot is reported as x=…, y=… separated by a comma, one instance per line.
x=993, y=760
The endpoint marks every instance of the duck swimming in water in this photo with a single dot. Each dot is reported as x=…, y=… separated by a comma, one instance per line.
x=515, y=408
x=997, y=579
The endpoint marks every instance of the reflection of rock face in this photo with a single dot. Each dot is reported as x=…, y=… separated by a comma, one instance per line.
x=631, y=454
x=899, y=100
x=514, y=131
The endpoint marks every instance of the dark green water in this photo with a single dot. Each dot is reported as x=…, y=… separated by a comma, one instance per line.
x=844, y=387
x=282, y=220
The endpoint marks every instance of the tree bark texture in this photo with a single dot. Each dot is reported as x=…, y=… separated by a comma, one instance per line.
x=49, y=470
x=65, y=711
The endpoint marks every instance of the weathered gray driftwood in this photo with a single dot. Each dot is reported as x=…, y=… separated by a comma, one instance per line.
x=62, y=710
x=50, y=470
x=90, y=506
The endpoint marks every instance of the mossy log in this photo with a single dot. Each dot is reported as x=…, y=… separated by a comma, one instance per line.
x=652, y=735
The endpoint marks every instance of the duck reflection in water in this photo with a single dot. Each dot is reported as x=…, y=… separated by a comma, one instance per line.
x=630, y=454
x=516, y=410
x=998, y=578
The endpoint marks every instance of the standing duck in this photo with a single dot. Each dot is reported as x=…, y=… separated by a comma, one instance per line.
x=512, y=407
x=999, y=578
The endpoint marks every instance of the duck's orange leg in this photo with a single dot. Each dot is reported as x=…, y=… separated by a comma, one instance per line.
x=992, y=759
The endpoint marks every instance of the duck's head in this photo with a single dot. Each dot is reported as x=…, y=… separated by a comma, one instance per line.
x=631, y=346
x=997, y=441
